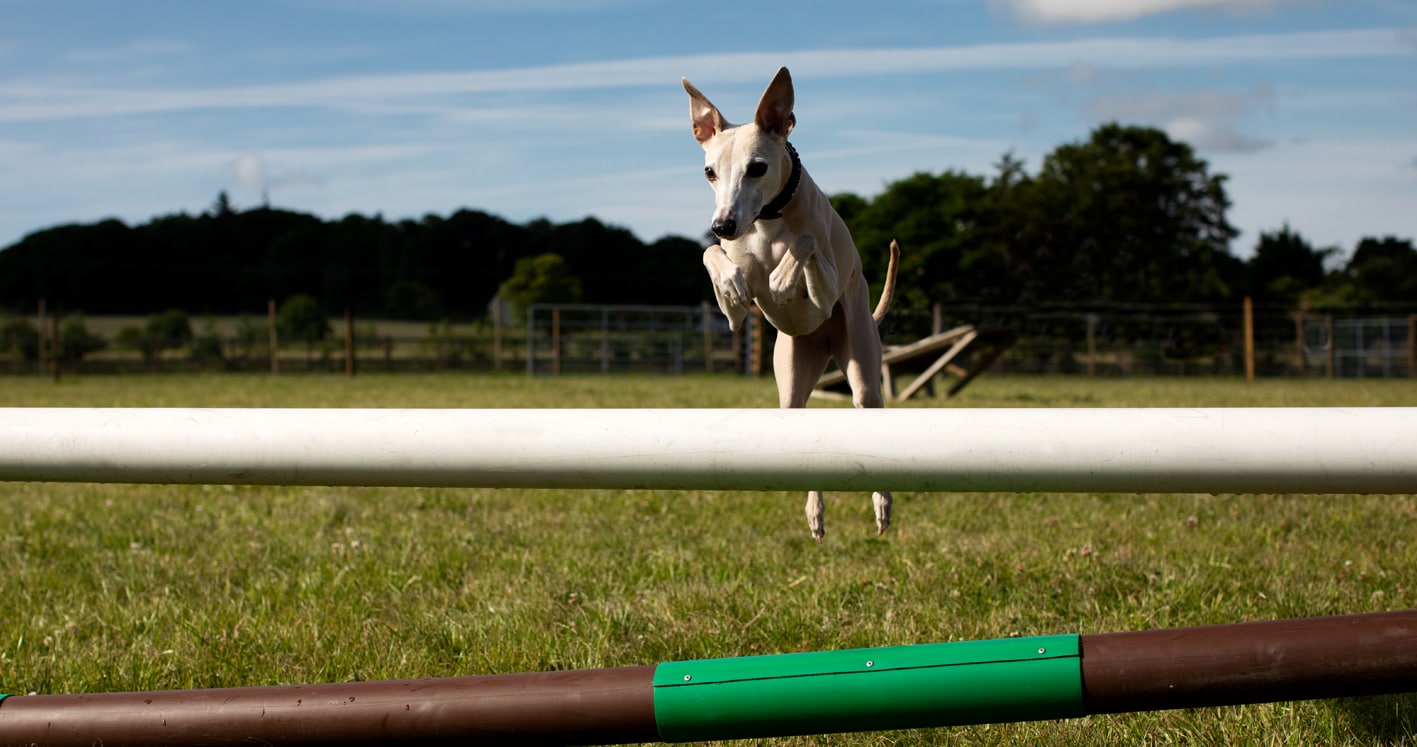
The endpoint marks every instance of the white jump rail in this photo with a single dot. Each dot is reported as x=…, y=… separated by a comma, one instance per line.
x=1229, y=450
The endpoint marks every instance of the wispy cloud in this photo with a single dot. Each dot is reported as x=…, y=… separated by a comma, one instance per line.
x=137, y=51
x=40, y=100
x=1101, y=11
x=452, y=7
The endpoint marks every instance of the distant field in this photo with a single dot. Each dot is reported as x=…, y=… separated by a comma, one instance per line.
x=120, y=587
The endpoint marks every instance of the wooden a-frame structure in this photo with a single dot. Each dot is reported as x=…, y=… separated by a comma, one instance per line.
x=963, y=352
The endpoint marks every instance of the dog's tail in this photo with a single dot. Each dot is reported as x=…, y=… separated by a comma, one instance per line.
x=888, y=292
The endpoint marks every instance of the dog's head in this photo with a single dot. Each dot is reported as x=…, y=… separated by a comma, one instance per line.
x=747, y=165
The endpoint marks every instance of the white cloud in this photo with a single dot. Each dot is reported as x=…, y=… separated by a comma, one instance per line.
x=250, y=171
x=258, y=174
x=1101, y=11
x=1207, y=119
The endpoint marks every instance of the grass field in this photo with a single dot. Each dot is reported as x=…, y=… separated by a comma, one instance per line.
x=123, y=587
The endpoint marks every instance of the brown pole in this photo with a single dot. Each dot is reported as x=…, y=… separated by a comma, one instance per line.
x=555, y=340
x=349, y=342
x=42, y=353
x=1249, y=309
x=1218, y=665
x=707, y=318
x=1092, y=345
x=496, y=333
x=1412, y=346
x=55, y=346
x=1260, y=662
x=271, y=330
x=1332, y=346
x=594, y=706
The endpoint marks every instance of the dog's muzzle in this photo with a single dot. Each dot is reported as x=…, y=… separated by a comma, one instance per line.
x=725, y=229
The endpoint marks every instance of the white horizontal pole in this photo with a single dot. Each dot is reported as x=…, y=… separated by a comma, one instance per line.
x=1271, y=450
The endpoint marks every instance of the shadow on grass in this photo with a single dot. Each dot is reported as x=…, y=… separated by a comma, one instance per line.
x=1386, y=719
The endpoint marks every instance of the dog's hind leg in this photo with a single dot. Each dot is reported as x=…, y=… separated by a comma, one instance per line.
x=859, y=355
x=798, y=362
x=816, y=515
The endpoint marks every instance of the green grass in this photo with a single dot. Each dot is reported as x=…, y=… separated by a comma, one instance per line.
x=123, y=587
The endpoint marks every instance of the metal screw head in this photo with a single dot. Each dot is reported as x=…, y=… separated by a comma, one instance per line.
x=687, y=678
x=1042, y=650
x=870, y=663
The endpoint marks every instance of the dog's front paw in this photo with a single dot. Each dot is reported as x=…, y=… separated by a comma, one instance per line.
x=732, y=296
x=731, y=290
x=730, y=286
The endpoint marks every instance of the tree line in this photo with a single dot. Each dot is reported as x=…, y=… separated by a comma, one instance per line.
x=1128, y=216
x=226, y=261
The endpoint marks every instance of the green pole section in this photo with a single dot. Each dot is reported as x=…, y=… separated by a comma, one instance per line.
x=900, y=687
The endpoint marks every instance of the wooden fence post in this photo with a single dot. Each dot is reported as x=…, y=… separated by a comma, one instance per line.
x=1091, y=344
x=41, y=345
x=274, y=338
x=348, y=342
x=1249, y=339
x=55, y=346
x=1412, y=346
x=555, y=340
x=708, y=336
x=1332, y=346
x=497, y=333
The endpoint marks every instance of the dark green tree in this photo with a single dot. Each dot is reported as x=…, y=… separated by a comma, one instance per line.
x=410, y=299
x=208, y=346
x=169, y=330
x=76, y=341
x=1284, y=265
x=1128, y=216
x=221, y=207
x=301, y=318
x=936, y=219
x=1383, y=271
x=166, y=331
x=18, y=335
x=545, y=278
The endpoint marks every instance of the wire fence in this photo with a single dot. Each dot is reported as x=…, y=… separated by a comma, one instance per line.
x=564, y=339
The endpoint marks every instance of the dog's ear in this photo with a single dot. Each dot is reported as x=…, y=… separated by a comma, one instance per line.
x=703, y=115
x=774, y=114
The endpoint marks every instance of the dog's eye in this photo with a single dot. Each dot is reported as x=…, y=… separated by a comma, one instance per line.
x=757, y=169
x=709, y=173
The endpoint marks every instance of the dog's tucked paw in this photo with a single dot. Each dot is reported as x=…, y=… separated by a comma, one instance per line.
x=786, y=280
x=730, y=286
x=734, y=314
x=816, y=515
x=731, y=289
x=881, y=502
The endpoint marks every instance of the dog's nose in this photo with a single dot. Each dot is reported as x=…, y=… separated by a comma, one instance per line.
x=726, y=228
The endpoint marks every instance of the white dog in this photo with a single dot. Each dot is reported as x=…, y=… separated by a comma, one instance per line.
x=783, y=247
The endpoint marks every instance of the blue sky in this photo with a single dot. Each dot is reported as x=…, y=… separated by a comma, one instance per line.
x=568, y=108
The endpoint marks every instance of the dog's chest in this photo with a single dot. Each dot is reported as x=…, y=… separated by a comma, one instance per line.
x=757, y=254
x=791, y=313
